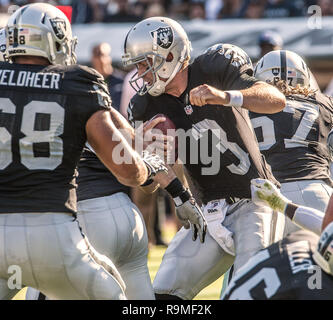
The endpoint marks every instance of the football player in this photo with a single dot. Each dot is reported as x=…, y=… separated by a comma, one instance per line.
x=299, y=267
x=210, y=99
x=50, y=108
x=294, y=140
x=3, y=45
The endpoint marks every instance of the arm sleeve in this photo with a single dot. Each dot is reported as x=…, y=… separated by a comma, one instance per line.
x=309, y=219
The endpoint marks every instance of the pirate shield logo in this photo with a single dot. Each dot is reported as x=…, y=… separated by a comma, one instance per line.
x=59, y=27
x=164, y=37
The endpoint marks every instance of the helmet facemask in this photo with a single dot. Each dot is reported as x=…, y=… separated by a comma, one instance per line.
x=137, y=82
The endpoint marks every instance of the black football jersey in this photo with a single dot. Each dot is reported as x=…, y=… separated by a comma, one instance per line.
x=221, y=153
x=95, y=180
x=283, y=271
x=43, y=114
x=294, y=140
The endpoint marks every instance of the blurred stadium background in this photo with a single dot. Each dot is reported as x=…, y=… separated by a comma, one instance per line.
x=304, y=26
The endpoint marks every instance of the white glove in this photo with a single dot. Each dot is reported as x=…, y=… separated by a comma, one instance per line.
x=190, y=214
x=264, y=192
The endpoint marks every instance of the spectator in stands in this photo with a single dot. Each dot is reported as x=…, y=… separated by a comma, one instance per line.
x=155, y=10
x=197, y=10
x=284, y=8
x=178, y=9
x=86, y=11
x=230, y=9
x=326, y=7
x=268, y=41
x=122, y=13
x=213, y=8
x=101, y=61
x=252, y=9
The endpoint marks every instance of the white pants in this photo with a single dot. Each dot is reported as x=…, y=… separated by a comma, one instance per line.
x=188, y=267
x=310, y=193
x=54, y=257
x=115, y=227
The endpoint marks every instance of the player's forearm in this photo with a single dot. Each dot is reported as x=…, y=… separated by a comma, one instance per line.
x=114, y=151
x=263, y=98
x=305, y=217
x=328, y=214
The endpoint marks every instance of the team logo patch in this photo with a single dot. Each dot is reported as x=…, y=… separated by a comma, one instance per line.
x=188, y=109
x=276, y=71
x=59, y=27
x=164, y=37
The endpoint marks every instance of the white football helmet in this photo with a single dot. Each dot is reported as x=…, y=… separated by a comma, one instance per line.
x=41, y=29
x=283, y=65
x=323, y=256
x=155, y=38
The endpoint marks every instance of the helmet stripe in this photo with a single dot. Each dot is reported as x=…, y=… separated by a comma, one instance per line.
x=283, y=58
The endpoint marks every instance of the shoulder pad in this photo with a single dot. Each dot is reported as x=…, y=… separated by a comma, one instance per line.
x=325, y=100
x=137, y=107
x=224, y=53
x=83, y=80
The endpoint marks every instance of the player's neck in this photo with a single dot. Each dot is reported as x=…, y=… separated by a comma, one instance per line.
x=32, y=60
x=178, y=84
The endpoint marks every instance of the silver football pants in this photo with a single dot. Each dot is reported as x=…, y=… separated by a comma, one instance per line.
x=188, y=267
x=47, y=251
x=115, y=227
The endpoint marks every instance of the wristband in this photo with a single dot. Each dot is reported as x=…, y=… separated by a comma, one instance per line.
x=235, y=97
x=147, y=183
x=178, y=192
x=175, y=188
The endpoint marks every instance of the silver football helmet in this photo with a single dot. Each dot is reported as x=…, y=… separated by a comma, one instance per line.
x=155, y=38
x=323, y=256
x=283, y=65
x=3, y=44
x=41, y=29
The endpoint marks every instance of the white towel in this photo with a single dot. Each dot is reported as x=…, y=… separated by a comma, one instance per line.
x=215, y=212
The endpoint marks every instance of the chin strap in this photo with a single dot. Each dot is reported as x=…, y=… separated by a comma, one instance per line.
x=159, y=86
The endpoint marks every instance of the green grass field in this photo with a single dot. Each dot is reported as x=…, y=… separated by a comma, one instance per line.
x=212, y=292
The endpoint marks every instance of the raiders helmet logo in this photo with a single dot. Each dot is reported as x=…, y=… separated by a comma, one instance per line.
x=276, y=71
x=164, y=37
x=59, y=27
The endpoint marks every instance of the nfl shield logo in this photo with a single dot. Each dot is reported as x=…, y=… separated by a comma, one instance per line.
x=164, y=37
x=188, y=109
x=275, y=71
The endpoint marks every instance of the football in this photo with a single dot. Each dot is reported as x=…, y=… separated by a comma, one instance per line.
x=168, y=128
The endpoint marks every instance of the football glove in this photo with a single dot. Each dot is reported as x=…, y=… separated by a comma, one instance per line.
x=154, y=164
x=264, y=192
x=190, y=215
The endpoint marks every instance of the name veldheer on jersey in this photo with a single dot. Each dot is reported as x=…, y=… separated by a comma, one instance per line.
x=29, y=79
